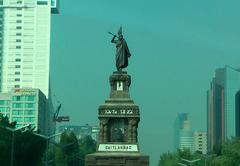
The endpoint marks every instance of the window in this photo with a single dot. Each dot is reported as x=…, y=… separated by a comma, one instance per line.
x=42, y=2
x=17, y=98
x=19, y=2
x=2, y=109
x=30, y=105
x=29, y=119
x=18, y=60
x=18, y=40
x=2, y=102
x=16, y=86
x=17, y=79
x=29, y=112
x=19, y=15
x=30, y=98
x=17, y=119
x=18, y=47
x=17, y=105
x=19, y=21
x=17, y=73
x=18, y=27
x=17, y=66
x=17, y=112
x=18, y=34
x=19, y=8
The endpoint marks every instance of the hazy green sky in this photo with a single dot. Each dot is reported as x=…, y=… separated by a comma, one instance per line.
x=176, y=46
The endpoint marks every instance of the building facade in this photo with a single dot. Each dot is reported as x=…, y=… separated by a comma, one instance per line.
x=25, y=106
x=182, y=133
x=178, y=125
x=25, y=46
x=200, y=142
x=223, y=106
x=186, y=137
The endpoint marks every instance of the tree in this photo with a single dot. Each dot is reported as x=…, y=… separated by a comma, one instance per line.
x=168, y=159
x=87, y=146
x=171, y=159
x=67, y=154
x=25, y=145
x=230, y=154
x=5, y=135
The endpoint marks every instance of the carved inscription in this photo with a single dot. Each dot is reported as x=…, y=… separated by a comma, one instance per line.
x=119, y=112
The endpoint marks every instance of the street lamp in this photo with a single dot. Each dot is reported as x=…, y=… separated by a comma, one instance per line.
x=13, y=131
x=47, y=138
x=190, y=161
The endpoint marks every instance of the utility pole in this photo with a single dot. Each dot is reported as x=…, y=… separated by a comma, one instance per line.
x=47, y=138
x=13, y=139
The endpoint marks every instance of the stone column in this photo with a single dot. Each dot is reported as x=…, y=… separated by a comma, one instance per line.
x=103, y=134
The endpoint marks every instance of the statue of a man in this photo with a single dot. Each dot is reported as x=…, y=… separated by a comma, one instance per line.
x=122, y=52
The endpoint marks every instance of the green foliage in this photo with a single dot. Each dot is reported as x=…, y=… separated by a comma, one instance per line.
x=25, y=148
x=25, y=145
x=87, y=146
x=67, y=154
x=168, y=159
x=4, y=122
x=172, y=159
x=230, y=154
x=227, y=154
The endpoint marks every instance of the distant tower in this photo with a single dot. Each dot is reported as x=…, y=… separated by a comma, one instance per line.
x=178, y=125
x=223, y=106
x=186, y=137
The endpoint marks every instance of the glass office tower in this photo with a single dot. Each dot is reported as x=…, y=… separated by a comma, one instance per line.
x=223, y=106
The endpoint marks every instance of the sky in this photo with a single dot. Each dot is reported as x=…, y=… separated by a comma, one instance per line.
x=175, y=45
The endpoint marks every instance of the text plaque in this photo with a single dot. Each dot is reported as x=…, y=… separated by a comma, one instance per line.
x=118, y=147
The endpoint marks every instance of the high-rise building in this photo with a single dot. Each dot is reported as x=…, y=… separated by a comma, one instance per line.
x=200, y=142
x=25, y=46
x=186, y=137
x=223, y=105
x=182, y=133
x=178, y=125
x=25, y=106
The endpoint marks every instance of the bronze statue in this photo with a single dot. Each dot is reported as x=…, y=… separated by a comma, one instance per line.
x=122, y=51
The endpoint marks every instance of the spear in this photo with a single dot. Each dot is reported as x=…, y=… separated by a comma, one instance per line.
x=113, y=34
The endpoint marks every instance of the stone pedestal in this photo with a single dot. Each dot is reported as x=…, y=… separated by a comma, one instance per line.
x=117, y=159
x=118, y=137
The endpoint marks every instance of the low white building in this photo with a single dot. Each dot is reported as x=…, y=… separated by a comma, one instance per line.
x=200, y=142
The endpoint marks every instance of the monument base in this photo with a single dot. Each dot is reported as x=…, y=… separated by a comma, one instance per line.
x=116, y=159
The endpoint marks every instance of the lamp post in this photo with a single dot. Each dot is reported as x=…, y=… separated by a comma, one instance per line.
x=182, y=164
x=13, y=131
x=47, y=138
x=190, y=161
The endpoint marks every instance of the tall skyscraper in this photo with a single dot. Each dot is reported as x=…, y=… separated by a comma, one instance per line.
x=186, y=137
x=182, y=133
x=25, y=45
x=223, y=106
x=25, y=52
x=178, y=125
